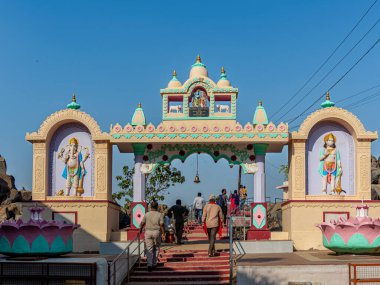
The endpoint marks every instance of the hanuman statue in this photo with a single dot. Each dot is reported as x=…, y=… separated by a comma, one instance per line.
x=330, y=166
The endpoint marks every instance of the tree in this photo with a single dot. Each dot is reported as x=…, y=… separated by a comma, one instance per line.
x=156, y=183
x=284, y=168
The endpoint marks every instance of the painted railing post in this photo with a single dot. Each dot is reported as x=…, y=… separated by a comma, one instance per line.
x=138, y=206
x=259, y=190
x=259, y=215
x=138, y=176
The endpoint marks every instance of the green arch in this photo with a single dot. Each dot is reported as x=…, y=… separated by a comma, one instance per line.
x=201, y=150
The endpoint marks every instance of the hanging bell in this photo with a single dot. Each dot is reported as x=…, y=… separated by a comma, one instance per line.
x=196, y=179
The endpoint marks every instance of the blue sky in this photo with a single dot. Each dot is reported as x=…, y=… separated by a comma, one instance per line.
x=114, y=54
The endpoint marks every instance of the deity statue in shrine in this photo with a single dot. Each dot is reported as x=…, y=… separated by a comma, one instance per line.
x=330, y=166
x=199, y=99
x=74, y=171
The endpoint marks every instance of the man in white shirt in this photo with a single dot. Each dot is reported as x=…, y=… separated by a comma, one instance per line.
x=198, y=205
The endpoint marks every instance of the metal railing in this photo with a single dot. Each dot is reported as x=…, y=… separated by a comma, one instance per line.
x=280, y=200
x=364, y=273
x=43, y=272
x=125, y=259
x=231, y=249
x=238, y=223
x=268, y=199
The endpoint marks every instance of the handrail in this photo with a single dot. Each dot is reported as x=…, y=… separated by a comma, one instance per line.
x=231, y=247
x=129, y=253
x=231, y=237
x=280, y=199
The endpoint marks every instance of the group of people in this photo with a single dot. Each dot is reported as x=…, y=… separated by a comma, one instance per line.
x=211, y=216
x=237, y=202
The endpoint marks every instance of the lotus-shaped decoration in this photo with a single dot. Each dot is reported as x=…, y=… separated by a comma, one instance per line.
x=360, y=234
x=37, y=237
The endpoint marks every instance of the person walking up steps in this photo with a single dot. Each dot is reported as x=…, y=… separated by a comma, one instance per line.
x=212, y=223
x=153, y=222
x=243, y=197
x=222, y=202
x=179, y=212
x=198, y=205
x=234, y=202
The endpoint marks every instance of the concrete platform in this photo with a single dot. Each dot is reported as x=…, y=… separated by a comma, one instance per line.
x=305, y=267
x=263, y=246
x=116, y=247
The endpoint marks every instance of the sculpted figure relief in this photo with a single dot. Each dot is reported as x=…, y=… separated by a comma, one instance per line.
x=251, y=168
x=199, y=99
x=74, y=171
x=330, y=166
x=147, y=168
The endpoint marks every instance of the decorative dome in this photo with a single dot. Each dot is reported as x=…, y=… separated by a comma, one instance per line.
x=223, y=81
x=138, y=118
x=174, y=83
x=260, y=117
x=328, y=103
x=198, y=69
x=73, y=105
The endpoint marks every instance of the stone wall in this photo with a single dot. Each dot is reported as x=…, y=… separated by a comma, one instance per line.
x=9, y=195
x=375, y=178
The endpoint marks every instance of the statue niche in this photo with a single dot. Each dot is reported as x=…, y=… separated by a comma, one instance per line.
x=330, y=166
x=74, y=171
x=199, y=103
x=71, y=161
x=330, y=150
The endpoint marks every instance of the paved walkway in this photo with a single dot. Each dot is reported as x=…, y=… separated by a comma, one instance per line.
x=303, y=258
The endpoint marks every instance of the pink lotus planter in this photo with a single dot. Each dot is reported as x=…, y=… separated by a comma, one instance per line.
x=355, y=235
x=37, y=237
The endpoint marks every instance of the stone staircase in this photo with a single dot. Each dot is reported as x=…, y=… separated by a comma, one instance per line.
x=188, y=263
x=195, y=232
x=185, y=267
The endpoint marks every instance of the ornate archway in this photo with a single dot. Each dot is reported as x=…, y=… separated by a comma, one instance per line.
x=188, y=128
x=166, y=153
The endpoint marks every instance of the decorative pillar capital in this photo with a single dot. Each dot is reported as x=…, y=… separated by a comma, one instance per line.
x=139, y=148
x=260, y=148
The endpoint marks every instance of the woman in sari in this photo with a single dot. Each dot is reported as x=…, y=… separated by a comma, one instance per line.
x=234, y=202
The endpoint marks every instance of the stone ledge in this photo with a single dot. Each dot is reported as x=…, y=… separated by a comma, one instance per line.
x=268, y=246
x=279, y=236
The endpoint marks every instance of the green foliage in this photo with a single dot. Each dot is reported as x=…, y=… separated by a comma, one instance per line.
x=156, y=184
x=284, y=169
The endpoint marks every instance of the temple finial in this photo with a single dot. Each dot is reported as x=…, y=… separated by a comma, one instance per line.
x=138, y=118
x=328, y=103
x=73, y=104
x=174, y=73
x=260, y=117
x=223, y=71
x=199, y=58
